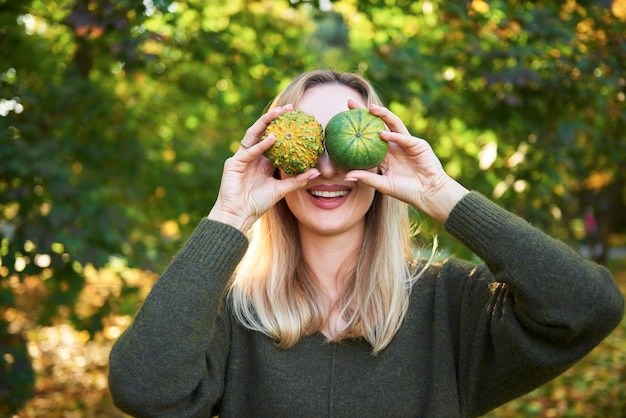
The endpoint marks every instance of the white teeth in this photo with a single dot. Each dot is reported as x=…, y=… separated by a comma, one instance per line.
x=325, y=193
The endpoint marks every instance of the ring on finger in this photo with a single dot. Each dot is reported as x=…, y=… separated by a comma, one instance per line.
x=246, y=146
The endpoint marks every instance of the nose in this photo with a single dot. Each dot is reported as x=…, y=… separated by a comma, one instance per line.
x=326, y=166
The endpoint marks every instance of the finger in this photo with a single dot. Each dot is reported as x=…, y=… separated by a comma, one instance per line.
x=354, y=104
x=370, y=179
x=394, y=123
x=267, y=167
x=292, y=183
x=255, y=132
x=405, y=140
x=254, y=150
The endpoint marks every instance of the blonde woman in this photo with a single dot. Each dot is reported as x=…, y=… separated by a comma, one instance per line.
x=298, y=296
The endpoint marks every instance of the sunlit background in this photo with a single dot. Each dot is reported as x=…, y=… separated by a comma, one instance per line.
x=116, y=117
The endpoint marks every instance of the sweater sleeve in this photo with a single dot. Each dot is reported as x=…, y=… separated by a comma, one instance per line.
x=171, y=360
x=534, y=309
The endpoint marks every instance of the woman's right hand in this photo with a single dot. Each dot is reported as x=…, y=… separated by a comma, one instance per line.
x=248, y=187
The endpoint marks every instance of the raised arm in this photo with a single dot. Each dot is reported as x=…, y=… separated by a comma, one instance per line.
x=532, y=310
x=535, y=308
x=171, y=360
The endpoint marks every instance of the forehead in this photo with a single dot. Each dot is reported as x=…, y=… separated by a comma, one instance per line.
x=326, y=100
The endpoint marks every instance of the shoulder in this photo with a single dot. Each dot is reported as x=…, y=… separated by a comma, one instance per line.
x=450, y=272
x=448, y=283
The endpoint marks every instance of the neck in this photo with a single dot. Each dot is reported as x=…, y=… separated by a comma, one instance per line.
x=331, y=258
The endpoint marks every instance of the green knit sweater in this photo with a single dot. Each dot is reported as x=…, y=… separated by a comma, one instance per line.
x=475, y=336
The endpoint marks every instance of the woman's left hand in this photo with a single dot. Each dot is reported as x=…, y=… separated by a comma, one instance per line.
x=411, y=171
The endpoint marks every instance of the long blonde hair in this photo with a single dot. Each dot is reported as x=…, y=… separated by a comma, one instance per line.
x=274, y=292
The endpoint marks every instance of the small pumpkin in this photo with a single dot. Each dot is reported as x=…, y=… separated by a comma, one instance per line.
x=353, y=140
x=299, y=141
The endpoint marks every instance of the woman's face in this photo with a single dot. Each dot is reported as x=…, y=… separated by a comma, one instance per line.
x=329, y=205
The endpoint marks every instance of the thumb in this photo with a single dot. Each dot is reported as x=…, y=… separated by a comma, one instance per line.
x=370, y=179
x=296, y=182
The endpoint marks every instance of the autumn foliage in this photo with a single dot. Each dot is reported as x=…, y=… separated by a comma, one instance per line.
x=116, y=117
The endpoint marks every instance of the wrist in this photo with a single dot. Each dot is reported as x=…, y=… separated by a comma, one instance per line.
x=229, y=218
x=439, y=204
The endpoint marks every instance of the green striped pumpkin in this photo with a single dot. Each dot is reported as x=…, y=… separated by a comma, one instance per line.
x=353, y=140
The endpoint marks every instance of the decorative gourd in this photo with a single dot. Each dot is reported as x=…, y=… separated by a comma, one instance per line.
x=353, y=140
x=299, y=141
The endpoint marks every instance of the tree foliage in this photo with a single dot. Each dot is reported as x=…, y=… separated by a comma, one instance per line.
x=116, y=117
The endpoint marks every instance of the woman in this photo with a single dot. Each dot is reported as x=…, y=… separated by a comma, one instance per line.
x=324, y=312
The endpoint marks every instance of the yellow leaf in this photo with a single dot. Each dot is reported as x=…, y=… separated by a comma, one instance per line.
x=480, y=6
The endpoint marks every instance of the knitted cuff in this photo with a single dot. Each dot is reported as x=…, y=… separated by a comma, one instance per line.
x=476, y=221
x=216, y=244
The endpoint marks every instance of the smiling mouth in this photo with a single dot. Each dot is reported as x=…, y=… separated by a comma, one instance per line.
x=328, y=194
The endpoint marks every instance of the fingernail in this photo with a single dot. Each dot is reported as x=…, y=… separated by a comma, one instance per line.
x=350, y=179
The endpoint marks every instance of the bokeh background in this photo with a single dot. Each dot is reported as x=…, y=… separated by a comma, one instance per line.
x=116, y=118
